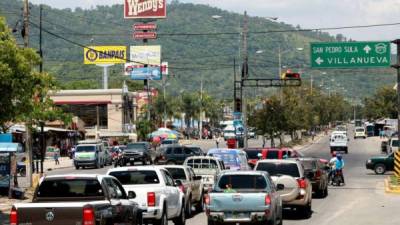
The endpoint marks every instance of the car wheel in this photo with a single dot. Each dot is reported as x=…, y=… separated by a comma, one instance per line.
x=102, y=164
x=306, y=210
x=181, y=219
x=326, y=191
x=97, y=165
x=380, y=168
x=272, y=221
x=164, y=218
x=200, y=204
x=188, y=210
x=77, y=167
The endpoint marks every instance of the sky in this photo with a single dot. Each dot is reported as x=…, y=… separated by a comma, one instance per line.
x=306, y=13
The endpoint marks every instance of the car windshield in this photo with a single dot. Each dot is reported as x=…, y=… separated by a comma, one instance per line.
x=136, y=177
x=136, y=146
x=242, y=182
x=229, y=159
x=177, y=173
x=395, y=143
x=85, y=149
x=253, y=153
x=359, y=130
x=277, y=169
x=309, y=164
x=69, y=187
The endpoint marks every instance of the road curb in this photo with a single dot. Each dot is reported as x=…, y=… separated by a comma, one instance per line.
x=391, y=189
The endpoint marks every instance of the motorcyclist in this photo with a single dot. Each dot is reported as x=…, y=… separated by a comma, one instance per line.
x=332, y=165
x=340, y=165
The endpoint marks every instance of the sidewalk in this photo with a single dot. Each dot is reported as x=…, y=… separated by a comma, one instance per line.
x=65, y=162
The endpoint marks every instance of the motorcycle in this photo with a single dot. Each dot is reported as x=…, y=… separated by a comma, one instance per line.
x=337, y=178
x=118, y=158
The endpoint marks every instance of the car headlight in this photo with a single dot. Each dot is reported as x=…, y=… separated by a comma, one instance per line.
x=369, y=161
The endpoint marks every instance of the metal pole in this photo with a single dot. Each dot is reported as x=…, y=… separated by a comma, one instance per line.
x=105, y=77
x=40, y=40
x=311, y=83
x=280, y=72
x=165, y=104
x=398, y=88
x=234, y=84
x=244, y=107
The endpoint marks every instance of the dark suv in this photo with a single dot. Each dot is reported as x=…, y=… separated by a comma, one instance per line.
x=176, y=154
x=138, y=151
x=316, y=172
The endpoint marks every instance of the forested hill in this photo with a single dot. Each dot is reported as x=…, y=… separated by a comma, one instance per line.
x=191, y=57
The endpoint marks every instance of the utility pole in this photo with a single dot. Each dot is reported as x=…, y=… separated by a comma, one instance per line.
x=28, y=138
x=245, y=75
x=40, y=40
x=201, y=109
x=311, y=83
x=42, y=123
x=397, y=67
x=164, y=100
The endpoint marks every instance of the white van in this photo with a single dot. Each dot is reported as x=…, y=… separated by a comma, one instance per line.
x=359, y=132
x=338, y=143
x=393, y=144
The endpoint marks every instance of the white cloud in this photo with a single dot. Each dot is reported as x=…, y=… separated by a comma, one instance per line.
x=306, y=13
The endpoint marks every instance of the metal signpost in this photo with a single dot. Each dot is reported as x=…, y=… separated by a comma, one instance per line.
x=350, y=54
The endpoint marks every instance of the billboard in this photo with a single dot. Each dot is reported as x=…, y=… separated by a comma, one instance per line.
x=146, y=54
x=142, y=99
x=139, y=72
x=104, y=55
x=145, y=9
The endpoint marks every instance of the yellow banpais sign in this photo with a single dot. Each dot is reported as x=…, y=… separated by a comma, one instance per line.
x=104, y=55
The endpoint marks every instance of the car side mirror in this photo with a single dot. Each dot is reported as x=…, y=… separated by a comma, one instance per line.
x=131, y=194
x=178, y=183
x=280, y=187
x=197, y=178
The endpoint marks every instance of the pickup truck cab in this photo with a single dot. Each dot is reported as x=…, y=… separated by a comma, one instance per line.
x=207, y=167
x=191, y=186
x=244, y=197
x=78, y=199
x=157, y=194
x=381, y=164
x=297, y=192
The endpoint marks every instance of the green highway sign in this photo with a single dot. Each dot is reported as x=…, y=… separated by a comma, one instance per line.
x=350, y=54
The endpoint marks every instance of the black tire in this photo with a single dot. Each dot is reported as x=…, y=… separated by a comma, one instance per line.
x=164, y=218
x=200, y=204
x=97, y=165
x=326, y=191
x=188, y=207
x=380, y=169
x=272, y=221
x=320, y=193
x=306, y=211
x=280, y=221
x=77, y=167
x=102, y=164
x=211, y=222
x=181, y=219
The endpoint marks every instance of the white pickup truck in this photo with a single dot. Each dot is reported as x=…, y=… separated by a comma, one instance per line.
x=157, y=194
x=208, y=167
x=191, y=186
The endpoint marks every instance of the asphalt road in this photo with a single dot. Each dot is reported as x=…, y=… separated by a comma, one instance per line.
x=362, y=201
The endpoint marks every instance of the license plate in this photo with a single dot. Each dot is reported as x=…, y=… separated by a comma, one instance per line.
x=132, y=159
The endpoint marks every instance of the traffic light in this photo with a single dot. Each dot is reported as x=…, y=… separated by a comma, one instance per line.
x=238, y=105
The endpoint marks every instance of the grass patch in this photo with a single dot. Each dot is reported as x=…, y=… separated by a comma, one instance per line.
x=393, y=180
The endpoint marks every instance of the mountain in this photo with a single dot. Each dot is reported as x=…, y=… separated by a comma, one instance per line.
x=192, y=57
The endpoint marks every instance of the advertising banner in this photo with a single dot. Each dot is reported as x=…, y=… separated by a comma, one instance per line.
x=104, y=55
x=142, y=99
x=146, y=54
x=5, y=170
x=139, y=72
x=145, y=9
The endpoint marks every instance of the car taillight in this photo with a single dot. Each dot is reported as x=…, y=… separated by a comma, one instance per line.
x=88, y=216
x=151, y=199
x=302, y=183
x=207, y=199
x=13, y=217
x=267, y=200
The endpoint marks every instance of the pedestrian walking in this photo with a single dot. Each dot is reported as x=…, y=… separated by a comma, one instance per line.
x=380, y=133
x=56, y=154
x=218, y=140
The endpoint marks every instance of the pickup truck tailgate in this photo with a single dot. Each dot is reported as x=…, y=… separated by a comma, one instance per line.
x=50, y=213
x=238, y=202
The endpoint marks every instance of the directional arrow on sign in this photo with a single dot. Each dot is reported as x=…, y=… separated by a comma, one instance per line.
x=319, y=60
x=367, y=49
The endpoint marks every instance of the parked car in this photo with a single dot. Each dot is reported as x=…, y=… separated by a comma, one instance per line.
x=244, y=197
x=157, y=194
x=297, y=192
x=381, y=164
x=192, y=186
x=176, y=154
x=317, y=172
x=393, y=144
x=138, y=152
x=359, y=132
x=89, y=155
x=234, y=159
x=78, y=199
x=108, y=157
x=207, y=167
x=255, y=154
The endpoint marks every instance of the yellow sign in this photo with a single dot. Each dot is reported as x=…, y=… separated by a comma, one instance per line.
x=104, y=55
x=146, y=54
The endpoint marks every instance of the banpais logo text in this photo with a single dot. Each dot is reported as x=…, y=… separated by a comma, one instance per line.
x=136, y=7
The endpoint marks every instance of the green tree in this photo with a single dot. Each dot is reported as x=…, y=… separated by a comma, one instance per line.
x=383, y=104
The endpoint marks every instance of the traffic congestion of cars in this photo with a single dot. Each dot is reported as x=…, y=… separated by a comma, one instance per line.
x=230, y=185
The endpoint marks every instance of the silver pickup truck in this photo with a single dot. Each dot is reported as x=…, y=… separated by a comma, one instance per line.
x=77, y=199
x=244, y=197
